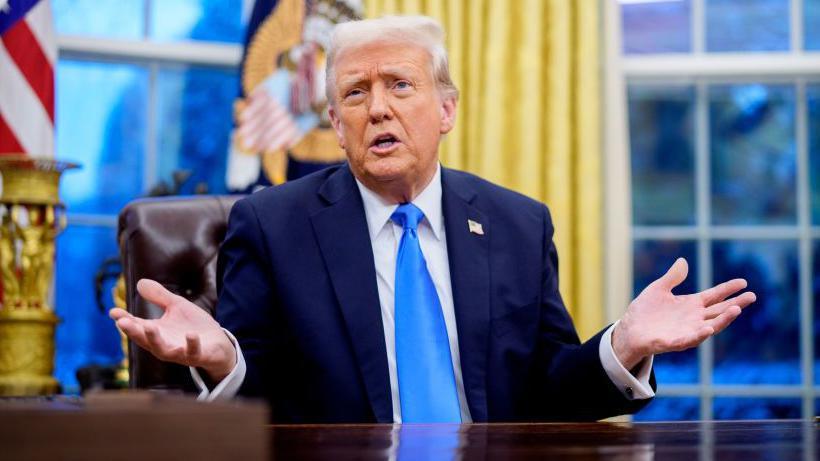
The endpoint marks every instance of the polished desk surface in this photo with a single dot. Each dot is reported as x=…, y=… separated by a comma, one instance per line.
x=146, y=426
x=707, y=440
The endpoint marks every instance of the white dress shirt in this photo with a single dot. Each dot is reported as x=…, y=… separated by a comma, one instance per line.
x=385, y=236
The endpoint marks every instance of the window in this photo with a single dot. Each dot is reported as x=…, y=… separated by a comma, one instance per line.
x=723, y=104
x=144, y=88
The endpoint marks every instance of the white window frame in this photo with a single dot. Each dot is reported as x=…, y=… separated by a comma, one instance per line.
x=153, y=55
x=700, y=69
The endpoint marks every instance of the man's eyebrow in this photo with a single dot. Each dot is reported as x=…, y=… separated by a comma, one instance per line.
x=392, y=71
x=352, y=80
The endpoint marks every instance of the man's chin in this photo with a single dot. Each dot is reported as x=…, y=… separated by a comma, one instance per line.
x=389, y=171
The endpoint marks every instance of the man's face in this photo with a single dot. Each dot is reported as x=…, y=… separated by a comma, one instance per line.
x=389, y=115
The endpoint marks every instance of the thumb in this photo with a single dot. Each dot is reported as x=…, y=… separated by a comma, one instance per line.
x=155, y=293
x=675, y=275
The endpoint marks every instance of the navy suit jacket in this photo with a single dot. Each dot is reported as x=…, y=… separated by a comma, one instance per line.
x=298, y=290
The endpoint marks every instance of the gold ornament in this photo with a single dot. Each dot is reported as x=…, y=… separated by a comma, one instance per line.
x=118, y=292
x=32, y=216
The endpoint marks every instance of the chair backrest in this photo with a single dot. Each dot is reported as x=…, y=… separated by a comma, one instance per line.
x=175, y=241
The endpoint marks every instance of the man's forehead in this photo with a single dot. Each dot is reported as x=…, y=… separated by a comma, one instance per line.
x=384, y=57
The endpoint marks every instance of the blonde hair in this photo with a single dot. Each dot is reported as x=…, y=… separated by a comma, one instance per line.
x=423, y=31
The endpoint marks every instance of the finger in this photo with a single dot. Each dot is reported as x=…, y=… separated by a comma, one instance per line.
x=155, y=293
x=723, y=320
x=134, y=331
x=742, y=301
x=192, y=347
x=675, y=275
x=117, y=313
x=158, y=345
x=720, y=292
x=139, y=321
x=703, y=334
x=691, y=340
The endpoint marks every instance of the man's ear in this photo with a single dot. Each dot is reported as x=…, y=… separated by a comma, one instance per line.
x=448, y=114
x=337, y=125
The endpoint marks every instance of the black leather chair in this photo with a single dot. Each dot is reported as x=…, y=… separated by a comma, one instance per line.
x=175, y=241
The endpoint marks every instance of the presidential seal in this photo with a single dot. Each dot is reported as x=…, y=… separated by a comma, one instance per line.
x=283, y=117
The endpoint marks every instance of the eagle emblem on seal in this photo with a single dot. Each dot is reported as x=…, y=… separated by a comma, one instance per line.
x=282, y=116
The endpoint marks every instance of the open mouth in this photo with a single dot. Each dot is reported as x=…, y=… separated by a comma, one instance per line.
x=384, y=141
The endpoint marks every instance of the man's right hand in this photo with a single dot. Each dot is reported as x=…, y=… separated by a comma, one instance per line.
x=185, y=333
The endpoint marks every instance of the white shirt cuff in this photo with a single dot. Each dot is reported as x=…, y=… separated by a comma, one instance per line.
x=633, y=387
x=228, y=387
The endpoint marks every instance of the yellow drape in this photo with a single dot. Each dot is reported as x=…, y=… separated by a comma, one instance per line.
x=529, y=118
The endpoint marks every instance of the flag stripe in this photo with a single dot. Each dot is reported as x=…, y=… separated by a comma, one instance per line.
x=23, y=111
x=24, y=49
x=8, y=142
x=39, y=21
x=279, y=136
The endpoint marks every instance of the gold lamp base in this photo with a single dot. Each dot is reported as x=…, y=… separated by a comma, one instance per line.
x=28, y=385
x=31, y=216
x=27, y=352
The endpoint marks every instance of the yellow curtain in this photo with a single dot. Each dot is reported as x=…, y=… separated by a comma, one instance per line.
x=529, y=118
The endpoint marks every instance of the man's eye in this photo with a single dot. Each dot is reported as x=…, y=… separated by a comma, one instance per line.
x=353, y=93
x=402, y=85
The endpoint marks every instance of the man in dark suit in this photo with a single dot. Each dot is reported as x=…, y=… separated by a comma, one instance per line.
x=392, y=289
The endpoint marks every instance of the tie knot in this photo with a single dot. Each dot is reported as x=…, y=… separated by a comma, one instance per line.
x=407, y=216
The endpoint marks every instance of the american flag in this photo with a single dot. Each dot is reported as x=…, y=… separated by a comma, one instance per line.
x=28, y=53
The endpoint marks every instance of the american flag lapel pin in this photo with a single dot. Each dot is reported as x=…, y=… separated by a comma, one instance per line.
x=475, y=227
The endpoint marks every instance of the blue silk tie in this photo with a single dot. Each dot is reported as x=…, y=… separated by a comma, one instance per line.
x=427, y=385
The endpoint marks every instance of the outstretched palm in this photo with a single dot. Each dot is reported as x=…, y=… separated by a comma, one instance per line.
x=658, y=321
x=185, y=334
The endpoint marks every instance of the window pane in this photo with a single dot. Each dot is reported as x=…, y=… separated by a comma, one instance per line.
x=101, y=117
x=661, y=136
x=762, y=345
x=811, y=24
x=105, y=18
x=752, y=133
x=652, y=259
x=195, y=107
x=85, y=334
x=756, y=408
x=656, y=27
x=210, y=20
x=747, y=25
x=813, y=105
x=670, y=409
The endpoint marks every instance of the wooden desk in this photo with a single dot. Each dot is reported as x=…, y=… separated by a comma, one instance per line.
x=138, y=426
x=143, y=426
x=723, y=441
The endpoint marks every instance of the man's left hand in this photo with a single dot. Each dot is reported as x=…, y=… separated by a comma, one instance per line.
x=658, y=321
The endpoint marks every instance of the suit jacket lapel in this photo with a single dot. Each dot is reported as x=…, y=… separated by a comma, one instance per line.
x=341, y=230
x=468, y=253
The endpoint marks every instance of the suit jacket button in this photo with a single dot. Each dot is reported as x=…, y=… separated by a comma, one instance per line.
x=629, y=391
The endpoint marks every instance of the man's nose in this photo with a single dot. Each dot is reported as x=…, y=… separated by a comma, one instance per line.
x=379, y=106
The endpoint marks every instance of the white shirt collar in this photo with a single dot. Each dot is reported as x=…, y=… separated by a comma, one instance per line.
x=378, y=210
